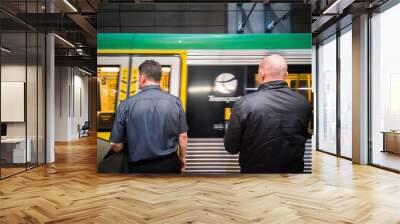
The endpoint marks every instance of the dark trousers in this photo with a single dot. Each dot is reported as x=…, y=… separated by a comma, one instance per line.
x=166, y=164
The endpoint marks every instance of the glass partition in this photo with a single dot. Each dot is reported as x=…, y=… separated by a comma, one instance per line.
x=31, y=98
x=327, y=96
x=14, y=145
x=346, y=93
x=385, y=89
x=41, y=105
x=22, y=78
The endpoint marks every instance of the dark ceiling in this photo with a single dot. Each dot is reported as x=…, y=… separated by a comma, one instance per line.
x=74, y=21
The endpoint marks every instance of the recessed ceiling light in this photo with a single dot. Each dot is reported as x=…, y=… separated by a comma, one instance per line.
x=338, y=6
x=5, y=50
x=70, y=5
x=166, y=69
x=108, y=69
x=64, y=40
x=84, y=71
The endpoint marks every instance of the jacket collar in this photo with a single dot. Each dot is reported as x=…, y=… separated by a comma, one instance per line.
x=151, y=87
x=277, y=84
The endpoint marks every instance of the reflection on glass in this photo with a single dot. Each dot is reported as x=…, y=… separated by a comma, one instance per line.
x=200, y=89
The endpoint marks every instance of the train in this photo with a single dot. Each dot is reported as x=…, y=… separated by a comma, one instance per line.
x=208, y=72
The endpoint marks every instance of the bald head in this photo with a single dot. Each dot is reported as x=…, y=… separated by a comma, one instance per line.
x=273, y=68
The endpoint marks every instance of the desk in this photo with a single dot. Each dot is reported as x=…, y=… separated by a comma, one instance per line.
x=391, y=141
x=13, y=150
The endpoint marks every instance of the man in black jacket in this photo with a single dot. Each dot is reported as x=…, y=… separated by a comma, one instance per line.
x=269, y=127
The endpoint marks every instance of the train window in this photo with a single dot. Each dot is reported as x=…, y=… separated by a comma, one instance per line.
x=252, y=81
x=165, y=78
x=107, y=80
x=303, y=88
x=301, y=83
x=293, y=83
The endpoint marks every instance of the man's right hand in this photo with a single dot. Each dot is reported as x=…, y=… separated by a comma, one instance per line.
x=183, y=142
x=116, y=146
x=182, y=159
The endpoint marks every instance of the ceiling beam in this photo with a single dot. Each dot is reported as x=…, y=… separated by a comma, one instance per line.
x=86, y=27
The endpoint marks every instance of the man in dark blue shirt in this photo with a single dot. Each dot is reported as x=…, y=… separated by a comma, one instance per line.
x=150, y=125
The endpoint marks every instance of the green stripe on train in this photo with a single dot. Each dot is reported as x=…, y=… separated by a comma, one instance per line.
x=202, y=41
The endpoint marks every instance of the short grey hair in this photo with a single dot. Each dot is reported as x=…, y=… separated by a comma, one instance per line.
x=151, y=69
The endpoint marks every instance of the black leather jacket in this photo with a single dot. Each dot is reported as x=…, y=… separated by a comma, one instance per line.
x=269, y=128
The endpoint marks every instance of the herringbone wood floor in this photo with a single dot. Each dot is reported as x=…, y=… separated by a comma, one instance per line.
x=70, y=191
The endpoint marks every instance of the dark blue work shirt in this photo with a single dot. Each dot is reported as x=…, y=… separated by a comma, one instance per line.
x=149, y=124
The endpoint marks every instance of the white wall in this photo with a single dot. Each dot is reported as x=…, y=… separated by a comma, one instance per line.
x=16, y=73
x=71, y=102
x=62, y=82
x=80, y=110
x=12, y=73
x=33, y=127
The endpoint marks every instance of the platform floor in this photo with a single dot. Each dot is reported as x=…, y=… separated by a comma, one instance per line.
x=70, y=191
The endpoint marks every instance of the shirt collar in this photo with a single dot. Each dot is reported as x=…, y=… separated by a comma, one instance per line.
x=151, y=87
x=277, y=84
